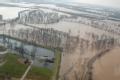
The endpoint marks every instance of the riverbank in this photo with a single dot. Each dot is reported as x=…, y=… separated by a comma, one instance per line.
x=88, y=73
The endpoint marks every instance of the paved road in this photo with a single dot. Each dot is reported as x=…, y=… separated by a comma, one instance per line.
x=26, y=72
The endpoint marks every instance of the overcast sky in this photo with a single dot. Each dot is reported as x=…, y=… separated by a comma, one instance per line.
x=115, y=3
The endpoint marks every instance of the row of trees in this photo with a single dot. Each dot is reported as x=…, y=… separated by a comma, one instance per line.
x=39, y=16
x=45, y=37
x=95, y=42
x=106, y=26
x=71, y=43
x=100, y=42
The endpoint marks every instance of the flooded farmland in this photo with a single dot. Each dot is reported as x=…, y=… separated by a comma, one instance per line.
x=57, y=40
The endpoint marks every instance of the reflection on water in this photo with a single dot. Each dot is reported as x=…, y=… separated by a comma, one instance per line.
x=40, y=55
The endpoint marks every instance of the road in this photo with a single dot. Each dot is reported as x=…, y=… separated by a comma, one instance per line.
x=26, y=72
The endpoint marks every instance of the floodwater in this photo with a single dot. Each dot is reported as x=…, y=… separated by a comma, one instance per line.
x=108, y=66
x=10, y=12
x=75, y=28
x=41, y=54
x=65, y=26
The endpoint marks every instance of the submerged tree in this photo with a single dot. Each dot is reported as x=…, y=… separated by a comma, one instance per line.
x=33, y=52
x=21, y=49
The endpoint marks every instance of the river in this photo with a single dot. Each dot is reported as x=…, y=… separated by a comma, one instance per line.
x=108, y=66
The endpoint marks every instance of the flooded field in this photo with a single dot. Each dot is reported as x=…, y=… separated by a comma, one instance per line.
x=75, y=28
x=4, y=11
x=79, y=41
x=40, y=56
x=108, y=66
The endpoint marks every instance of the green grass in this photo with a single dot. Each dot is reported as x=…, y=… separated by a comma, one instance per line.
x=38, y=73
x=12, y=67
x=56, y=65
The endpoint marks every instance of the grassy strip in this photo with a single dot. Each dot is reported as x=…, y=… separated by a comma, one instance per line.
x=38, y=73
x=56, y=65
x=12, y=67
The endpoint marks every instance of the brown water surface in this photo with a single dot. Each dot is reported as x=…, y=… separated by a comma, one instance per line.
x=108, y=67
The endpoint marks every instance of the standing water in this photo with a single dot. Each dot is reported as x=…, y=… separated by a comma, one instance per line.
x=42, y=57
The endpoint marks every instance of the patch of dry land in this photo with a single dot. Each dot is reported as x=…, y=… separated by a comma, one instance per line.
x=108, y=66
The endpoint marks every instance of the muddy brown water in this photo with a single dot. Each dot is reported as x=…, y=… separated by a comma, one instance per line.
x=108, y=66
